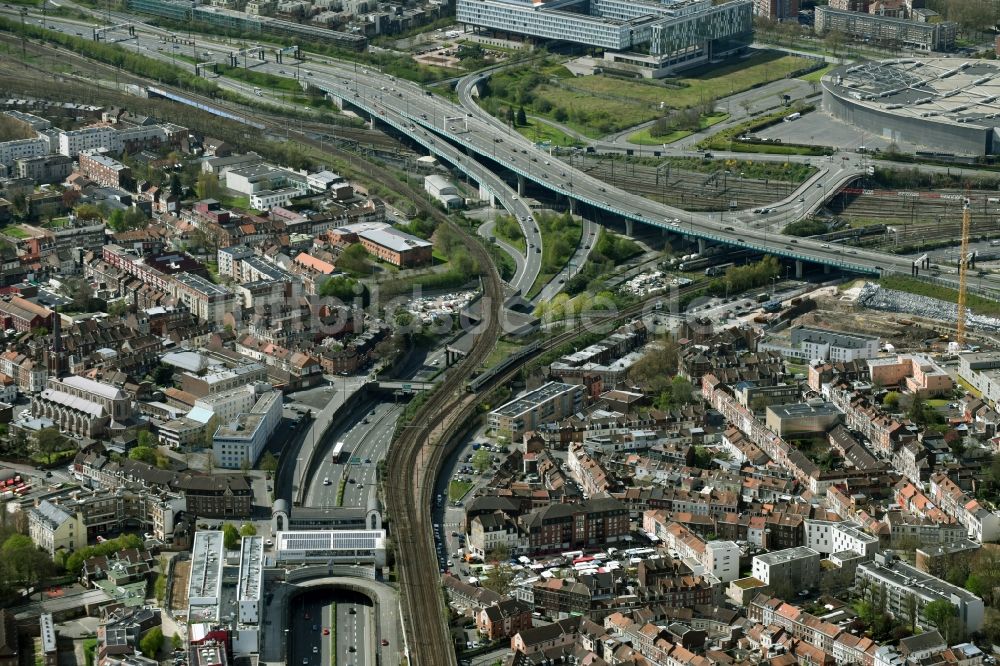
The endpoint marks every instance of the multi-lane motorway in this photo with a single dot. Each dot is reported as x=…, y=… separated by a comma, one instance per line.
x=453, y=132
x=365, y=443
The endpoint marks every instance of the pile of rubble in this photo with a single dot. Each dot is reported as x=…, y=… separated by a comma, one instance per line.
x=889, y=300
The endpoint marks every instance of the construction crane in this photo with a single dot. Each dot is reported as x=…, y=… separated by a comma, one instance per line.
x=963, y=270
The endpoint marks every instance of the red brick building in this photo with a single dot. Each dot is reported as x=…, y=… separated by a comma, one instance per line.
x=105, y=171
x=503, y=619
x=590, y=524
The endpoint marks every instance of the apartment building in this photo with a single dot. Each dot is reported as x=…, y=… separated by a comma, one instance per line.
x=887, y=30
x=218, y=379
x=591, y=523
x=913, y=373
x=550, y=402
x=829, y=537
x=205, y=300
x=249, y=596
x=798, y=567
x=54, y=529
x=983, y=524
x=74, y=142
x=720, y=559
x=205, y=584
x=104, y=170
x=44, y=169
x=811, y=343
x=68, y=523
x=982, y=371
x=11, y=151
x=901, y=581
x=776, y=10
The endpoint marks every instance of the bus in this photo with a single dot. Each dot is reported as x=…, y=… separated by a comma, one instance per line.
x=338, y=452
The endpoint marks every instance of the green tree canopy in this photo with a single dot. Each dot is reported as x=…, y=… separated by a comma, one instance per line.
x=230, y=536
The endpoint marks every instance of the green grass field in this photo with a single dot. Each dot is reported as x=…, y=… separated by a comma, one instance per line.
x=644, y=138
x=540, y=131
x=817, y=74
x=596, y=105
x=13, y=231
x=458, y=489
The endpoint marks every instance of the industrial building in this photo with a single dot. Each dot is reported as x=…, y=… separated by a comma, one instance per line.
x=249, y=598
x=397, y=247
x=242, y=440
x=550, y=402
x=652, y=39
x=332, y=547
x=443, y=190
x=944, y=104
x=205, y=584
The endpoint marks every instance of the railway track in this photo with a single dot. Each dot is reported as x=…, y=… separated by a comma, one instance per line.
x=413, y=455
x=689, y=189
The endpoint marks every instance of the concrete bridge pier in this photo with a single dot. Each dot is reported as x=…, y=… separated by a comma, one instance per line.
x=798, y=268
x=520, y=185
x=572, y=205
x=701, y=245
x=826, y=269
x=630, y=228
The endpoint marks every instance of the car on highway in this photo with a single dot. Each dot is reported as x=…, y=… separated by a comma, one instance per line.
x=384, y=642
x=326, y=631
x=352, y=611
x=729, y=229
x=326, y=481
x=315, y=649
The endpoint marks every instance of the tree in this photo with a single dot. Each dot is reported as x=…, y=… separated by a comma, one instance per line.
x=152, y=643
x=938, y=612
x=269, y=463
x=499, y=578
x=656, y=367
x=176, y=641
x=147, y=439
x=207, y=186
x=70, y=197
x=891, y=400
x=80, y=292
x=144, y=454
x=230, y=536
x=248, y=530
x=176, y=188
x=482, y=460
x=522, y=118
x=50, y=441
x=911, y=610
x=163, y=375
x=917, y=410
x=510, y=116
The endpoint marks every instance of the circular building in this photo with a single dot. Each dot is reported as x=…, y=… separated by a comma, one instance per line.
x=947, y=104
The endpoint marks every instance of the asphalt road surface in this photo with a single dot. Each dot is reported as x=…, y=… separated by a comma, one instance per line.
x=311, y=634
x=366, y=441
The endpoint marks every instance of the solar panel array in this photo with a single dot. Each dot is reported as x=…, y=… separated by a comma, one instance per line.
x=330, y=540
